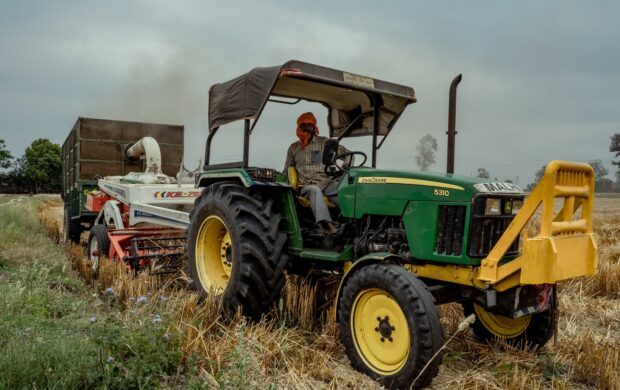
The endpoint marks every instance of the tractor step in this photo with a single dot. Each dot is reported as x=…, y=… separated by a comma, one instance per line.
x=327, y=255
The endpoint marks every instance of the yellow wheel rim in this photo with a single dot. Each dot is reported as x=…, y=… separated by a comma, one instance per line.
x=502, y=326
x=380, y=331
x=214, y=254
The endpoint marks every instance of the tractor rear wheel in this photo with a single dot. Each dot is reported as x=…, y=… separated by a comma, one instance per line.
x=98, y=246
x=235, y=248
x=531, y=331
x=390, y=326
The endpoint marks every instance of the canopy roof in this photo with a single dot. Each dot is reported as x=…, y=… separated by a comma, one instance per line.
x=346, y=96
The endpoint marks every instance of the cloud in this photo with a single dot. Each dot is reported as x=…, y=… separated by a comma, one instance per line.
x=540, y=80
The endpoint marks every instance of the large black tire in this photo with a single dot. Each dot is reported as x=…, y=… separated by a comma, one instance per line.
x=390, y=326
x=98, y=246
x=236, y=249
x=71, y=229
x=530, y=332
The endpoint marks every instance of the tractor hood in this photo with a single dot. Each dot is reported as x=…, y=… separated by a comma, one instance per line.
x=387, y=192
x=447, y=181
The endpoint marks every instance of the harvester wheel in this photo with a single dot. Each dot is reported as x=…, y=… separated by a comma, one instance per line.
x=98, y=246
x=71, y=230
x=235, y=248
x=390, y=326
x=528, y=332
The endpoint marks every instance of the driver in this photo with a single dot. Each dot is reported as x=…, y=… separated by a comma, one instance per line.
x=306, y=155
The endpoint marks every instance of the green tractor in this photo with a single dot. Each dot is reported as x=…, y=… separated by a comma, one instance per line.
x=407, y=242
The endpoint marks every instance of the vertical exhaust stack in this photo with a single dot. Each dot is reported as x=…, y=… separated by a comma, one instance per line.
x=452, y=122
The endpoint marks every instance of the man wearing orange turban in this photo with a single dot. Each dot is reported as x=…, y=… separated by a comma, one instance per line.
x=306, y=129
x=306, y=155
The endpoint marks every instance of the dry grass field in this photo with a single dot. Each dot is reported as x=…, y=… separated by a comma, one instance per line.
x=297, y=346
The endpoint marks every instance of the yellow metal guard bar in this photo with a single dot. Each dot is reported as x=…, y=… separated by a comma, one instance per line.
x=565, y=247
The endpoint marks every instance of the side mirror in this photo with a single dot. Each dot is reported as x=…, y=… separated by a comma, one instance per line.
x=330, y=152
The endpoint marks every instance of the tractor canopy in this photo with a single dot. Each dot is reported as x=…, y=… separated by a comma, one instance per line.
x=351, y=100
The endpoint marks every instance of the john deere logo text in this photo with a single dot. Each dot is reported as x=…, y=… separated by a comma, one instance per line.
x=372, y=180
x=407, y=181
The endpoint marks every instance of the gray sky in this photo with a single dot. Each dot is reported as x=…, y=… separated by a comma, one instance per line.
x=540, y=79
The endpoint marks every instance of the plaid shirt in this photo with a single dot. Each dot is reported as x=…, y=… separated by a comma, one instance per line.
x=309, y=161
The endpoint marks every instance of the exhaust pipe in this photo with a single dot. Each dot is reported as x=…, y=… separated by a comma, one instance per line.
x=452, y=122
x=149, y=148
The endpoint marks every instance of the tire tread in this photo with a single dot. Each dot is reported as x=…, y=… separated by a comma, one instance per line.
x=261, y=257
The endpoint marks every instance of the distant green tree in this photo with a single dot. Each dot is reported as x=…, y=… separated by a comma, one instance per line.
x=599, y=169
x=16, y=176
x=601, y=183
x=604, y=185
x=6, y=159
x=41, y=166
x=426, y=148
x=483, y=173
x=614, y=147
x=537, y=176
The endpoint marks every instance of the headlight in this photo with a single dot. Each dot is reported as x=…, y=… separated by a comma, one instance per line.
x=516, y=206
x=493, y=207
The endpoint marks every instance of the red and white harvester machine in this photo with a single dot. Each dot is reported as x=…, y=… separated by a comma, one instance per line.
x=141, y=217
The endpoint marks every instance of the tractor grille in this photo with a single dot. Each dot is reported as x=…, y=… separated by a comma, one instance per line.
x=485, y=231
x=450, y=230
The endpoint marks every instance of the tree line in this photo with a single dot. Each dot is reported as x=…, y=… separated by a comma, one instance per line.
x=427, y=146
x=601, y=182
x=39, y=169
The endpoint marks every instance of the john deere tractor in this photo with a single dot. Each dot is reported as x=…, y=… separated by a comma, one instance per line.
x=407, y=242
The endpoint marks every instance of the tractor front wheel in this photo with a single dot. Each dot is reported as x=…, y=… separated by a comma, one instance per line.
x=531, y=331
x=390, y=326
x=235, y=248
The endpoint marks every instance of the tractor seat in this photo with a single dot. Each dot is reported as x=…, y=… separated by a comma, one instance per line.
x=293, y=180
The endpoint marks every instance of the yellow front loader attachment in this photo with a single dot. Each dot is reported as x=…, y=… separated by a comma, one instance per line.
x=565, y=246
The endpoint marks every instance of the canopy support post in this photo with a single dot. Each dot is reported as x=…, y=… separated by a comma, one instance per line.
x=375, y=130
x=208, y=146
x=246, y=142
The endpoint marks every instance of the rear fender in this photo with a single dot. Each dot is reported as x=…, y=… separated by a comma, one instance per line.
x=281, y=193
x=240, y=176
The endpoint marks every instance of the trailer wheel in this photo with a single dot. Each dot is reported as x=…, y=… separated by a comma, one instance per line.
x=71, y=229
x=235, y=248
x=390, y=326
x=528, y=332
x=98, y=246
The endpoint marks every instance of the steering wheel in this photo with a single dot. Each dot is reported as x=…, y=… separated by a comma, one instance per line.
x=335, y=168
